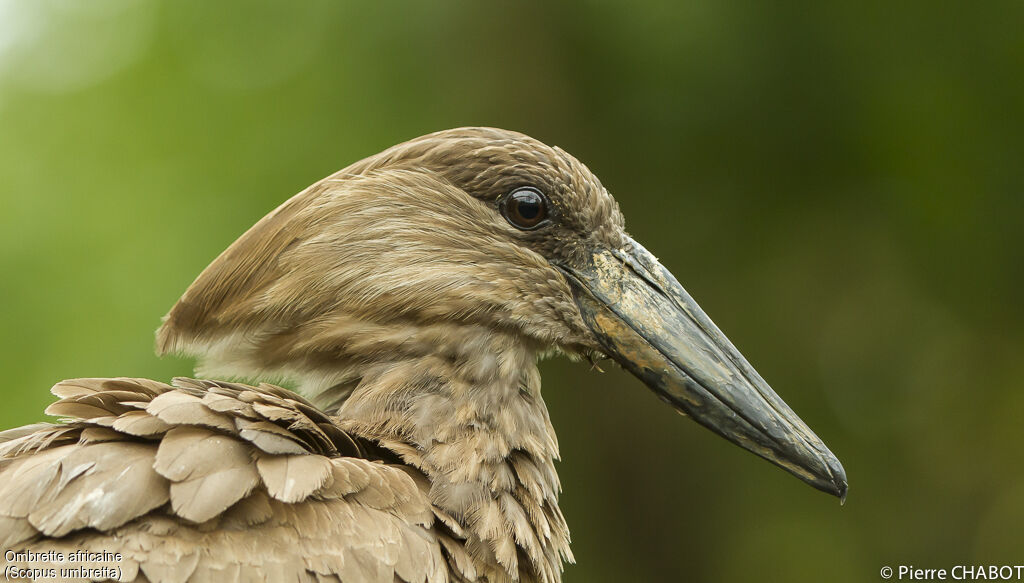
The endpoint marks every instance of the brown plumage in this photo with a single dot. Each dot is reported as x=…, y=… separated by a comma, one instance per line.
x=410, y=308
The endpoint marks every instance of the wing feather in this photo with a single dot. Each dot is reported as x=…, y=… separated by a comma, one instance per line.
x=292, y=478
x=177, y=408
x=99, y=486
x=214, y=481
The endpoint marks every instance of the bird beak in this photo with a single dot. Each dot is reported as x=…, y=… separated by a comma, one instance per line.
x=649, y=324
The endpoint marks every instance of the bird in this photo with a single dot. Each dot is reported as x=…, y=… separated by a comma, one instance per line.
x=407, y=299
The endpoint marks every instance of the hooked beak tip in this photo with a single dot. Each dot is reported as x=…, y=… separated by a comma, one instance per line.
x=835, y=483
x=841, y=485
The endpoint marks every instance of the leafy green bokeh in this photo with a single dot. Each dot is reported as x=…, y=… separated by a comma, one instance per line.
x=840, y=186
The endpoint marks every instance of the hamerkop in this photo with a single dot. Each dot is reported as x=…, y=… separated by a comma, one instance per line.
x=408, y=297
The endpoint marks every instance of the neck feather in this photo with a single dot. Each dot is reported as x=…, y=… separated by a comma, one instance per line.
x=471, y=417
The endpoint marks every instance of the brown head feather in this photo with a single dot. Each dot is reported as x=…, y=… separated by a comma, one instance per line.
x=406, y=238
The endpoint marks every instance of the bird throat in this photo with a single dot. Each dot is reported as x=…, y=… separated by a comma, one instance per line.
x=470, y=417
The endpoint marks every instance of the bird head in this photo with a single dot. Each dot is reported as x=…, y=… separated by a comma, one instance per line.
x=464, y=237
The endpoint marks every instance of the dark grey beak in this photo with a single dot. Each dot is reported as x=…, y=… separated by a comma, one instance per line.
x=653, y=328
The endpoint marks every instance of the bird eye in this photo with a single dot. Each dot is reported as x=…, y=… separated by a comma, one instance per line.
x=525, y=208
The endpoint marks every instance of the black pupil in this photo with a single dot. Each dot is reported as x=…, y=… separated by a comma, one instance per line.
x=528, y=205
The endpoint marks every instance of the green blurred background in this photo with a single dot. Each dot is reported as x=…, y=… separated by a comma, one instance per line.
x=840, y=186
